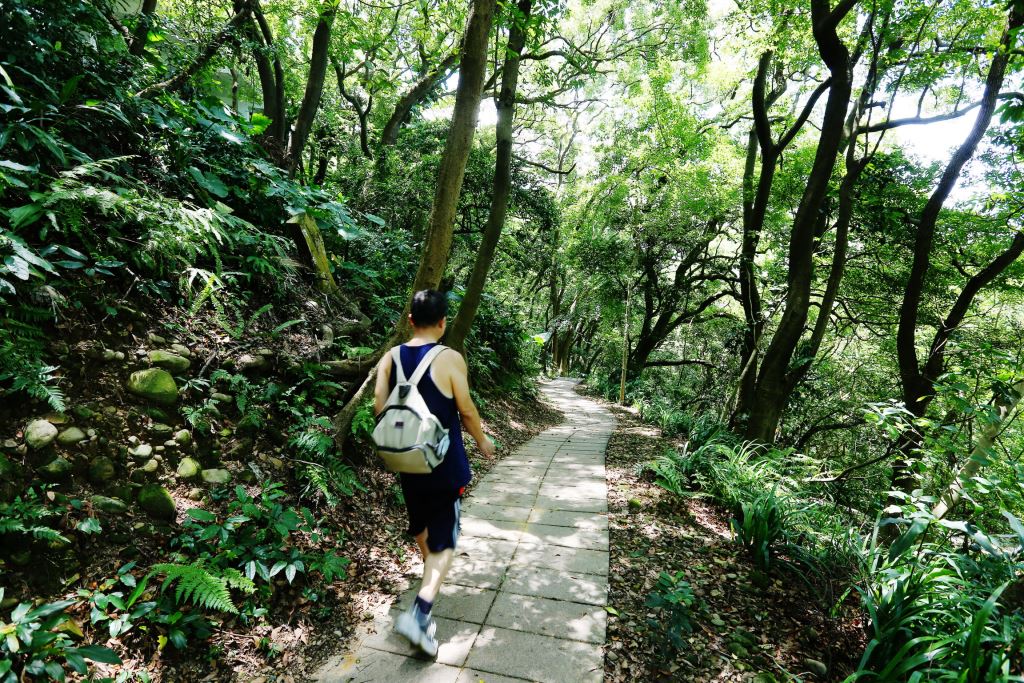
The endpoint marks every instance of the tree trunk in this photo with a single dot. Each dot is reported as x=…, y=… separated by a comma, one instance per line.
x=774, y=384
x=140, y=36
x=502, y=186
x=917, y=382
x=362, y=109
x=314, y=85
x=275, y=138
x=434, y=257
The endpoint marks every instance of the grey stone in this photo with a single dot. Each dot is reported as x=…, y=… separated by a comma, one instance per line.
x=39, y=434
x=71, y=436
x=221, y=398
x=154, y=384
x=215, y=476
x=183, y=437
x=160, y=429
x=181, y=350
x=463, y=603
x=476, y=572
x=489, y=549
x=169, y=361
x=248, y=361
x=580, y=520
x=141, y=452
x=150, y=467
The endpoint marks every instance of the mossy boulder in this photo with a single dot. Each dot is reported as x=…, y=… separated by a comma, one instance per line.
x=189, y=468
x=157, y=502
x=216, y=477
x=57, y=469
x=170, y=361
x=154, y=384
x=102, y=469
x=40, y=434
x=71, y=436
x=7, y=470
x=108, y=504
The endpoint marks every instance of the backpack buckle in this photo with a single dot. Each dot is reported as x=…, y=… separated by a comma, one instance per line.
x=403, y=391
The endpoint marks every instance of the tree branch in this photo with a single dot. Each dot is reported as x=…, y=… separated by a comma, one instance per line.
x=179, y=79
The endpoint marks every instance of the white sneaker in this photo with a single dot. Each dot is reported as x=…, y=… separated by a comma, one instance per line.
x=422, y=637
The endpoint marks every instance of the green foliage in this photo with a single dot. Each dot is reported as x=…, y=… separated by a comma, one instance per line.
x=670, y=602
x=32, y=645
x=258, y=536
x=761, y=526
x=26, y=515
x=203, y=587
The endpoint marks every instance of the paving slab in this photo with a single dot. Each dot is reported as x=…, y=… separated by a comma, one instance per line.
x=508, y=513
x=476, y=573
x=379, y=666
x=592, y=539
x=524, y=599
x=579, y=560
x=456, y=638
x=591, y=589
x=579, y=520
x=464, y=603
x=492, y=528
x=535, y=657
x=473, y=676
x=573, y=505
x=486, y=549
x=559, y=618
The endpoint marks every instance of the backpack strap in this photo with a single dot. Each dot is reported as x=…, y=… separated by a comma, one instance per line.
x=396, y=362
x=424, y=365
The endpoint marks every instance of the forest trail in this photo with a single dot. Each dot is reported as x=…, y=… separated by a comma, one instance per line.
x=525, y=597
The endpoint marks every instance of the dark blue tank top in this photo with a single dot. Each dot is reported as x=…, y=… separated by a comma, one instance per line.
x=453, y=473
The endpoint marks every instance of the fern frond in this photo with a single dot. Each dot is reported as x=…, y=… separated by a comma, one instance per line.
x=198, y=585
x=238, y=580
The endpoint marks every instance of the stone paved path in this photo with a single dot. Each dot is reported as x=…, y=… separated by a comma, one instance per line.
x=525, y=596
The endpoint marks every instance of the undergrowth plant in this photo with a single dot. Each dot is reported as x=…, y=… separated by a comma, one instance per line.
x=26, y=515
x=670, y=602
x=32, y=644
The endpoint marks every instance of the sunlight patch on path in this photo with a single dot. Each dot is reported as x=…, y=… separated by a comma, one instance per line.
x=525, y=597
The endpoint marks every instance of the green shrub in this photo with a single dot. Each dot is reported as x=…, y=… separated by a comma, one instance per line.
x=258, y=536
x=26, y=516
x=31, y=645
x=761, y=526
x=670, y=601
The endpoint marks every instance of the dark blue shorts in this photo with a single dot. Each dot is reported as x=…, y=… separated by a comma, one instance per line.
x=437, y=513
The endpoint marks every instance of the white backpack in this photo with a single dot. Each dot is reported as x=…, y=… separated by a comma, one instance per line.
x=409, y=438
